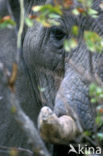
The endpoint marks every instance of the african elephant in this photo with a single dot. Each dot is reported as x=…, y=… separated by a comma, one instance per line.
x=45, y=64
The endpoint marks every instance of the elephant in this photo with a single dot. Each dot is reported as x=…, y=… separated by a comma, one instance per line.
x=44, y=63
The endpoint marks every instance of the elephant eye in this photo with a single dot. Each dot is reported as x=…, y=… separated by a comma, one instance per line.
x=57, y=33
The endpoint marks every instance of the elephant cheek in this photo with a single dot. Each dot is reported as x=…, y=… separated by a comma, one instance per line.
x=72, y=98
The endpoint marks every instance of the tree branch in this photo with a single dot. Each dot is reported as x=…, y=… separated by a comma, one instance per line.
x=21, y=27
x=7, y=150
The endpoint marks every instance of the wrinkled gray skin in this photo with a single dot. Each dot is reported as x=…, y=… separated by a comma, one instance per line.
x=45, y=63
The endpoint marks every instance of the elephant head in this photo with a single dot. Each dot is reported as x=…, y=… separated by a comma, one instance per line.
x=44, y=52
x=46, y=64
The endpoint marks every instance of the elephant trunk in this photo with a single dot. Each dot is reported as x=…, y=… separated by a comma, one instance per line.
x=72, y=113
x=72, y=99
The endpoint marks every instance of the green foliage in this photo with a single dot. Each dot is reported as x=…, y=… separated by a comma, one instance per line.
x=101, y=6
x=7, y=22
x=75, y=30
x=48, y=14
x=70, y=44
x=99, y=120
x=29, y=22
x=93, y=13
x=13, y=109
x=76, y=12
x=87, y=6
x=48, y=9
x=94, y=41
x=86, y=3
x=41, y=89
x=100, y=136
x=13, y=152
x=96, y=93
x=86, y=9
x=87, y=133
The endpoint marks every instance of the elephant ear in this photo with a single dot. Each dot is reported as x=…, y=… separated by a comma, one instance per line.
x=3, y=8
x=15, y=9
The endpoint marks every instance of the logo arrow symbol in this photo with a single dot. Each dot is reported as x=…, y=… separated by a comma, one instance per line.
x=72, y=149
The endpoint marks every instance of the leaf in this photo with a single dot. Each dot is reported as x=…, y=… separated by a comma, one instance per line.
x=75, y=12
x=92, y=88
x=53, y=22
x=86, y=3
x=36, y=8
x=6, y=21
x=48, y=14
x=88, y=152
x=87, y=133
x=93, y=100
x=41, y=89
x=29, y=22
x=99, y=120
x=49, y=7
x=100, y=109
x=13, y=152
x=81, y=10
x=55, y=16
x=101, y=5
x=93, y=13
x=96, y=92
x=75, y=30
x=13, y=109
x=100, y=136
x=67, y=3
x=94, y=41
x=70, y=44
